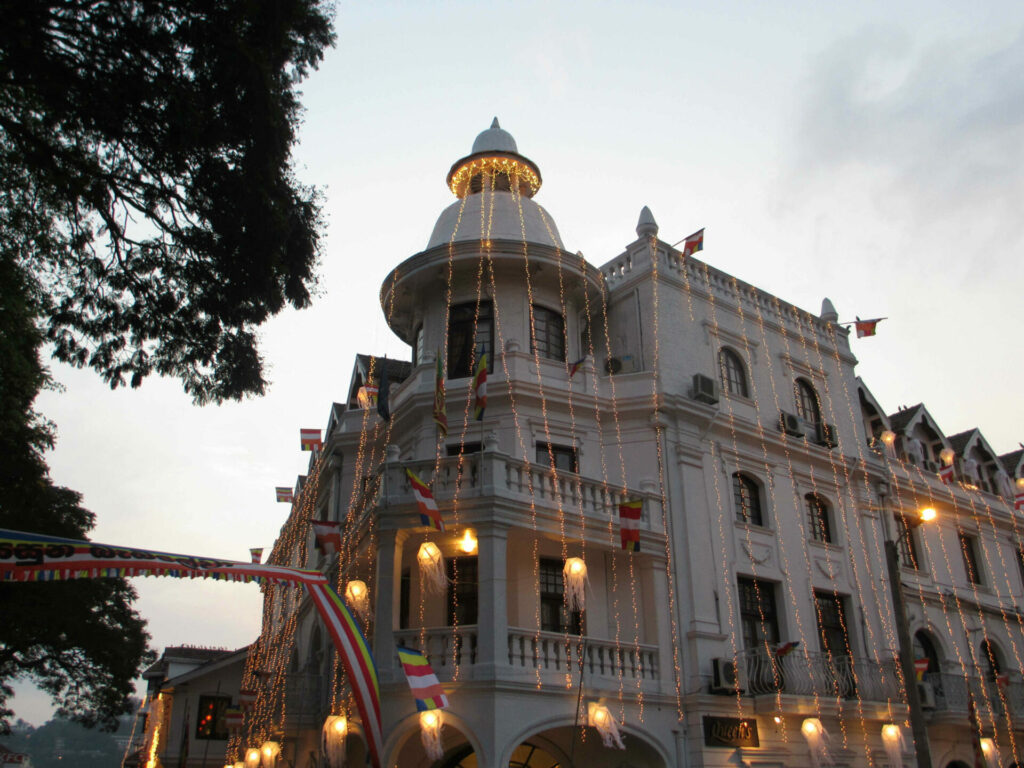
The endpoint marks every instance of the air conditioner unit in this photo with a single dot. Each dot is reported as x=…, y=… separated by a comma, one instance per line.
x=725, y=677
x=827, y=435
x=612, y=365
x=790, y=424
x=705, y=389
x=926, y=693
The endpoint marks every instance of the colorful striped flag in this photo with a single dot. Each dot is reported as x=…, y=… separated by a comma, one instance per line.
x=629, y=524
x=328, y=536
x=480, y=388
x=246, y=698
x=694, y=243
x=425, y=686
x=430, y=515
x=946, y=474
x=866, y=327
x=310, y=439
x=576, y=366
x=786, y=648
x=284, y=493
x=1018, y=500
x=920, y=668
x=256, y=553
x=233, y=718
x=440, y=411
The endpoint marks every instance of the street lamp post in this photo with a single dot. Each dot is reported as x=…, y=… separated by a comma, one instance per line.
x=917, y=725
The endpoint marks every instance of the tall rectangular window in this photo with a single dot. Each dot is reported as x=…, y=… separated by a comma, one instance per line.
x=832, y=624
x=548, y=333
x=564, y=457
x=210, y=718
x=969, y=549
x=554, y=616
x=907, y=544
x=404, y=595
x=817, y=519
x=759, y=621
x=463, y=586
x=464, y=346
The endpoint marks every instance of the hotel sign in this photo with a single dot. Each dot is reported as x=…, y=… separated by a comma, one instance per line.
x=730, y=732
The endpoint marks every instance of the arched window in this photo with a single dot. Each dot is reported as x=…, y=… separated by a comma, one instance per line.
x=991, y=660
x=817, y=518
x=924, y=648
x=746, y=499
x=806, y=402
x=733, y=373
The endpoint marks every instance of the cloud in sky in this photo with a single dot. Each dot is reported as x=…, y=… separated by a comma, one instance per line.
x=938, y=130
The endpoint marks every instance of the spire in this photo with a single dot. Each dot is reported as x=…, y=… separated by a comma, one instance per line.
x=646, y=226
x=828, y=311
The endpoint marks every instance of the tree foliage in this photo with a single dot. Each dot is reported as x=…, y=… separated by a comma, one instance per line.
x=146, y=184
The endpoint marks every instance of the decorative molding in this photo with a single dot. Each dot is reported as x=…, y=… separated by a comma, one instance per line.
x=801, y=368
x=753, y=557
x=745, y=346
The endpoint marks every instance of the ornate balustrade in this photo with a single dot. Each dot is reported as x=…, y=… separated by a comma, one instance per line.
x=818, y=674
x=555, y=652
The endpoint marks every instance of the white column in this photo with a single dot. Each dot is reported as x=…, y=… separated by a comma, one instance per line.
x=492, y=606
x=386, y=601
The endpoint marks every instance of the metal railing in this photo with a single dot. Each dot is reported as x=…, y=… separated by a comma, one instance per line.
x=810, y=673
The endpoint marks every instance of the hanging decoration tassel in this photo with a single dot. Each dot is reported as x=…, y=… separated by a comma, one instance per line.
x=334, y=733
x=892, y=739
x=817, y=741
x=432, y=575
x=600, y=718
x=574, y=574
x=431, y=723
x=358, y=598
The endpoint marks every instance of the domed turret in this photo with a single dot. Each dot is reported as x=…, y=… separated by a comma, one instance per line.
x=494, y=139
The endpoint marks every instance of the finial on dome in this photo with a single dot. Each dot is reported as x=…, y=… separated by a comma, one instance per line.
x=494, y=123
x=646, y=226
x=828, y=311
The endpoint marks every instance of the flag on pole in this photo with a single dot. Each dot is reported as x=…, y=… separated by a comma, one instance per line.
x=480, y=388
x=694, y=243
x=946, y=474
x=866, y=327
x=246, y=698
x=430, y=515
x=920, y=668
x=383, y=404
x=786, y=648
x=310, y=439
x=629, y=524
x=284, y=493
x=256, y=553
x=440, y=412
x=327, y=535
x=233, y=718
x=576, y=366
x=423, y=683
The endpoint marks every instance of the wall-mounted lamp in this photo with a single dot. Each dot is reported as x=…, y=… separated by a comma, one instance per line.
x=468, y=542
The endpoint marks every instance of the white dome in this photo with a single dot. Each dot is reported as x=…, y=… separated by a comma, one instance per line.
x=494, y=139
x=537, y=223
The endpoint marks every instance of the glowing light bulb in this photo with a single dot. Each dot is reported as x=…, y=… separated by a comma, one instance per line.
x=987, y=746
x=811, y=727
x=946, y=454
x=928, y=514
x=355, y=589
x=429, y=718
x=468, y=543
x=340, y=725
x=778, y=720
x=890, y=732
x=576, y=566
x=888, y=437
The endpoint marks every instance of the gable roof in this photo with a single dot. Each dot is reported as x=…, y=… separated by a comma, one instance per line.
x=898, y=421
x=959, y=441
x=1012, y=462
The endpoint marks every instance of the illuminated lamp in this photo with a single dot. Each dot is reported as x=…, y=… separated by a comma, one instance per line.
x=358, y=597
x=574, y=574
x=468, y=543
x=600, y=718
x=431, y=563
x=888, y=437
x=431, y=722
x=239, y=764
x=817, y=741
x=1020, y=483
x=989, y=751
x=892, y=740
x=335, y=731
x=367, y=397
x=269, y=753
x=928, y=514
x=252, y=758
x=946, y=454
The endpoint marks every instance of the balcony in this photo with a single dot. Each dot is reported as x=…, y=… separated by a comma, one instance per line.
x=817, y=674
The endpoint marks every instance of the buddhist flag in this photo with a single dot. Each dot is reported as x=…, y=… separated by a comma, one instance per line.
x=440, y=412
x=256, y=553
x=423, y=683
x=310, y=439
x=1018, y=500
x=246, y=698
x=576, y=366
x=383, y=404
x=233, y=718
x=946, y=474
x=284, y=493
x=786, y=648
x=920, y=668
x=629, y=524
x=866, y=327
x=327, y=535
x=480, y=388
x=694, y=243
x=430, y=515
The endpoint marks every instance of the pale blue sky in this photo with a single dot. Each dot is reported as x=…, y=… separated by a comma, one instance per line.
x=871, y=152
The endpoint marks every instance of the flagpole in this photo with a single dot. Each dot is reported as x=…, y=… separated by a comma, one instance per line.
x=579, y=699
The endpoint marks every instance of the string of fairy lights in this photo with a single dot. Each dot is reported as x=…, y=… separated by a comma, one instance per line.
x=812, y=473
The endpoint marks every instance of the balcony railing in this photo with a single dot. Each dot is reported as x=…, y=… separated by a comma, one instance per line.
x=953, y=692
x=552, y=651
x=444, y=647
x=817, y=674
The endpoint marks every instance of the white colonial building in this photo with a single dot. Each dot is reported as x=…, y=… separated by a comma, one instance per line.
x=755, y=624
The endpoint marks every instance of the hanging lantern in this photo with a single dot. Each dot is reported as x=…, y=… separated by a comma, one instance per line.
x=888, y=437
x=269, y=752
x=892, y=740
x=574, y=574
x=817, y=741
x=358, y=597
x=432, y=574
x=946, y=454
x=989, y=752
x=239, y=764
x=367, y=397
x=431, y=722
x=600, y=718
x=252, y=758
x=334, y=733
